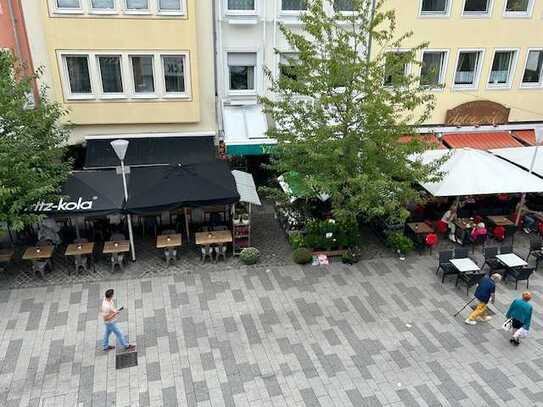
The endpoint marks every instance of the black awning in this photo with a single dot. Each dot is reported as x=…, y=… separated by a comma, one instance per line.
x=86, y=193
x=162, y=188
x=152, y=151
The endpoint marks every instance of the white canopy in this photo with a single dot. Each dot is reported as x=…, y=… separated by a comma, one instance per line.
x=476, y=172
x=246, y=187
x=522, y=156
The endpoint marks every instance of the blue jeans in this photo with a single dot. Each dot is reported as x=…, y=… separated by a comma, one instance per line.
x=110, y=328
x=530, y=223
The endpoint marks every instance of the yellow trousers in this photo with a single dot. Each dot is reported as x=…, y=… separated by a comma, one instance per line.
x=478, y=312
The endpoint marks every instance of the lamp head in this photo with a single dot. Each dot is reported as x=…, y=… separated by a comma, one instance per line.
x=539, y=135
x=120, y=146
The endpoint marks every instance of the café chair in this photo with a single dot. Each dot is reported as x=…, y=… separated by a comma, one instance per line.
x=469, y=279
x=445, y=264
x=491, y=261
x=207, y=251
x=81, y=261
x=536, y=250
x=170, y=253
x=39, y=267
x=506, y=249
x=220, y=251
x=117, y=260
x=431, y=241
x=498, y=233
x=461, y=253
x=521, y=274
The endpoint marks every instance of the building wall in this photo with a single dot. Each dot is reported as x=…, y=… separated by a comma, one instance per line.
x=456, y=32
x=7, y=39
x=52, y=34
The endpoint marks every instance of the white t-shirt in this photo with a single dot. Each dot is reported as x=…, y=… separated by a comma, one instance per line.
x=107, y=307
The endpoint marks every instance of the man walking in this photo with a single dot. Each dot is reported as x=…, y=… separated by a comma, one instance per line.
x=109, y=315
x=486, y=291
x=520, y=313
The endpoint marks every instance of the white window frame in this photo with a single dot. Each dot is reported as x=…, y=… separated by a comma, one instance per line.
x=229, y=12
x=426, y=14
x=471, y=14
x=186, y=76
x=408, y=67
x=110, y=95
x=478, y=69
x=444, y=67
x=60, y=10
x=528, y=85
x=120, y=9
x=509, y=83
x=257, y=78
x=519, y=14
x=65, y=77
x=294, y=13
x=342, y=12
x=127, y=78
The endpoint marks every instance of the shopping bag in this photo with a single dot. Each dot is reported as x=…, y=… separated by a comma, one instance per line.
x=507, y=325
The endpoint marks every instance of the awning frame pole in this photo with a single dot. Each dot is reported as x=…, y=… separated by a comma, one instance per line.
x=523, y=197
x=128, y=217
x=187, y=224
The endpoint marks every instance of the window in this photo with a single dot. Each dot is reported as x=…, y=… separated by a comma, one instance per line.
x=241, y=5
x=174, y=73
x=343, y=5
x=110, y=73
x=467, y=69
x=169, y=5
x=286, y=62
x=137, y=5
x=534, y=68
x=395, y=68
x=433, y=68
x=77, y=67
x=476, y=7
x=241, y=67
x=434, y=7
x=518, y=7
x=293, y=5
x=502, y=68
x=68, y=4
x=103, y=4
x=142, y=71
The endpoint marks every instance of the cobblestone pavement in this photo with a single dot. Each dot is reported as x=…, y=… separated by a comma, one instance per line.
x=379, y=333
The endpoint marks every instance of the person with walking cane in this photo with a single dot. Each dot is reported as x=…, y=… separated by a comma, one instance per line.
x=520, y=313
x=486, y=291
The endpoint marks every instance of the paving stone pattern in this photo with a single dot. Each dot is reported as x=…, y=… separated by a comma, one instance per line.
x=379, y=333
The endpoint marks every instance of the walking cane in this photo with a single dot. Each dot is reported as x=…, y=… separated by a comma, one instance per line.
x=465, y=305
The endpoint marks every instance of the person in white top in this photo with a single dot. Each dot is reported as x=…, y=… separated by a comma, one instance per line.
x=449, y=217
x=109, y=315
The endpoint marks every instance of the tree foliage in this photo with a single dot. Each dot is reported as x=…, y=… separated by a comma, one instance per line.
x=31, y=146
x=336, y=122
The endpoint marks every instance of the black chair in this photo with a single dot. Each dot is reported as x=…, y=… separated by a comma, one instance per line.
x=491, y=261
x=445, y=264
x=461, y=253
x=521, y=274
x=469, y=279
x=506, y=249
x=536, y=246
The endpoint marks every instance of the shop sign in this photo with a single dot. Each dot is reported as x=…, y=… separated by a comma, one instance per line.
x=62, y=206
x=478, y=113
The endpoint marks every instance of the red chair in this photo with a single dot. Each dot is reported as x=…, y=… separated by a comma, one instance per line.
x=442, y=226
x=540, y=228
x=431, y=241
x=499, y=233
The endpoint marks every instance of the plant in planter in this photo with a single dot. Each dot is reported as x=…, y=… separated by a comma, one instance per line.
x=352, y=255
x=249, y=255
x=296, y=239
x=400, y=243
x=302, y=255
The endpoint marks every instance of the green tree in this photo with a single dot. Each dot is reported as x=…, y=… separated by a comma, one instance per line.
x=339, y=114
x=31, y=146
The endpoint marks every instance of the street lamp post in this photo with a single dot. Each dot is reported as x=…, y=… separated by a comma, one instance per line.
x=120, y=147
x=538, y=139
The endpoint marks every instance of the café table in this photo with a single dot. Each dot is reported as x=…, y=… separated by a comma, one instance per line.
x=38, y=253
x=6, y=255
x=510, y=261
x=81, y=249
x=501, y=221
x=166, y=241
x=116, y=246
x=420, y=228
x=463, y=228
x=465, y=265
x=216, y=237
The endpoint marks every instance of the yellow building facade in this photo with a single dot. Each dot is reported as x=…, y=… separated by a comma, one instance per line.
x=481, y=50
x=127, y=66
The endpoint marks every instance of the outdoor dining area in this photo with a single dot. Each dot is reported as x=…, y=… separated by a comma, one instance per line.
x=103, y=214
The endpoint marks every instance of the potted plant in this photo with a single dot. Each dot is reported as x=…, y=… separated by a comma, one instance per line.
x=400, y=243
x=351, y=256
x=302, y=255
x=249, y=256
